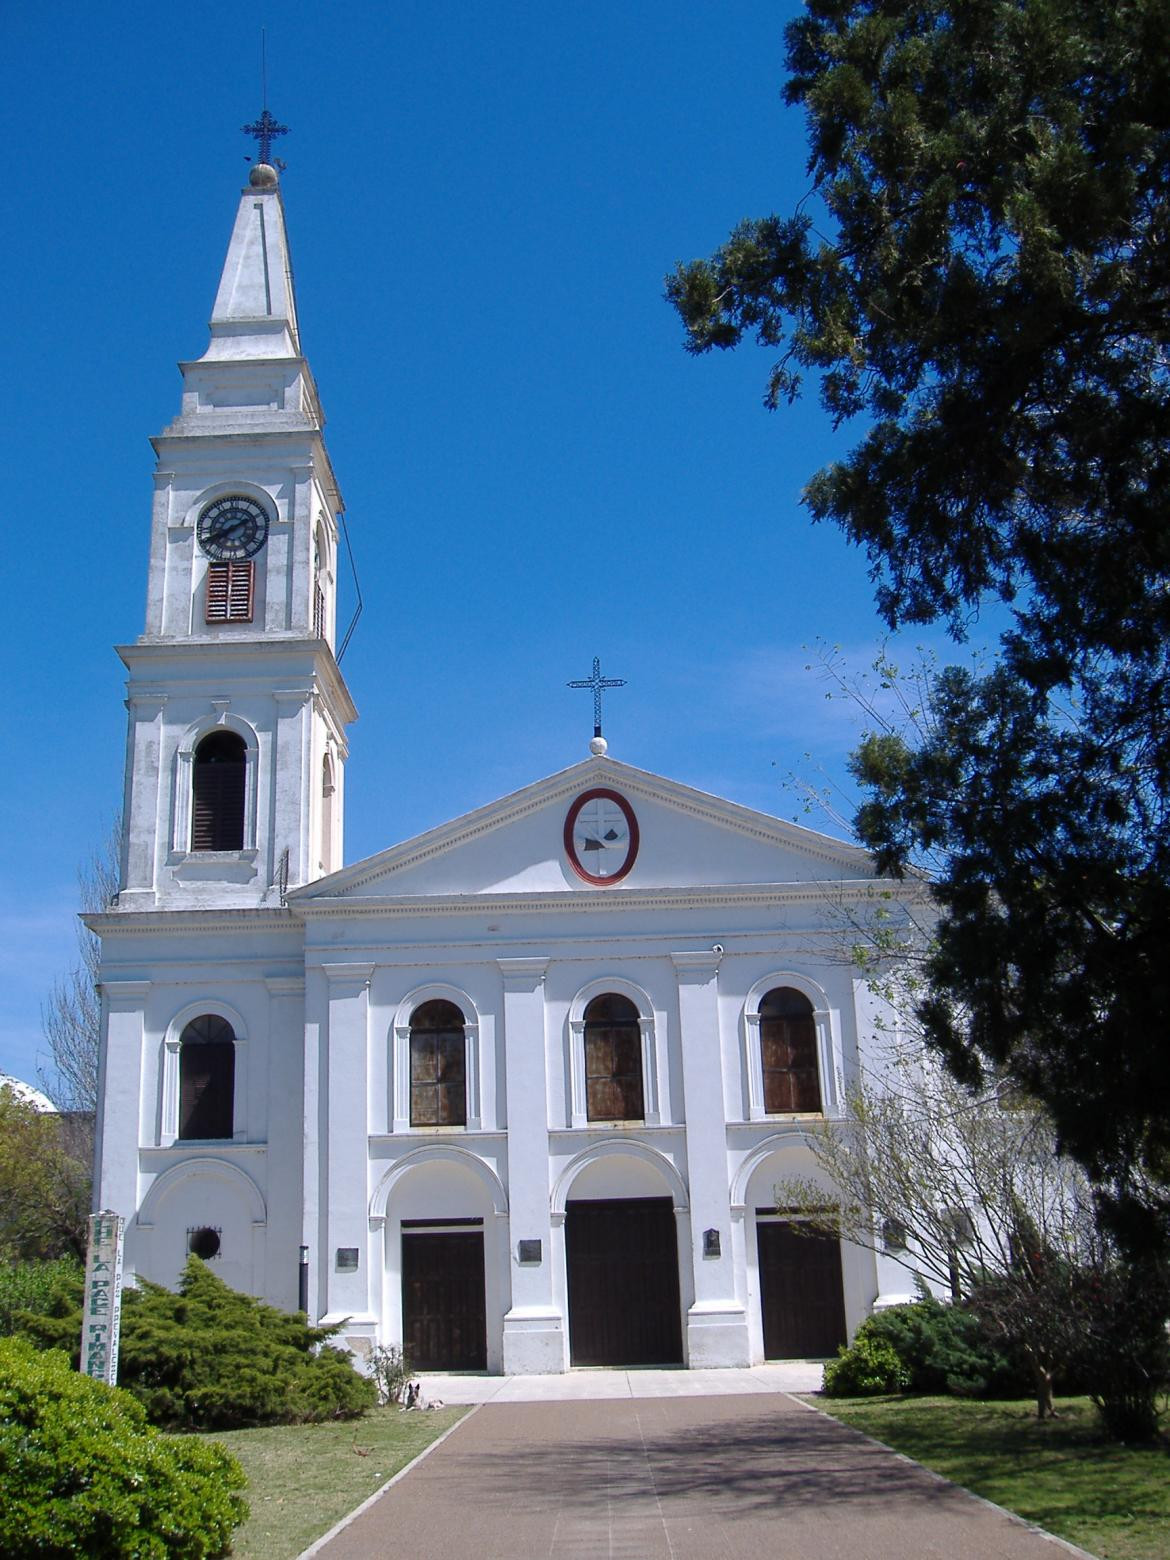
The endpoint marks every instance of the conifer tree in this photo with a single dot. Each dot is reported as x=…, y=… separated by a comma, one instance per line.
x=980, y=276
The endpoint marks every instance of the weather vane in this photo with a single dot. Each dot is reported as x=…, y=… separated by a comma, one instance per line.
x=597, y=682
x=266, y=128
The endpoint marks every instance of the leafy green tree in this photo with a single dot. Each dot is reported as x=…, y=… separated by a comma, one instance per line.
x=36, y=1287
x=981, y=274
x=44, y=1190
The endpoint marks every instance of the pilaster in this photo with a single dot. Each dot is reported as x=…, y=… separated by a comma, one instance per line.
x=119, y=1114
x=717, y=1331
x=347, y=1190
x=534, y=1330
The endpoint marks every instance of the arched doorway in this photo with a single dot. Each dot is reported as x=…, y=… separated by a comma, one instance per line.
x=800, y=1279
x=621, y=1264
x=443, y=1296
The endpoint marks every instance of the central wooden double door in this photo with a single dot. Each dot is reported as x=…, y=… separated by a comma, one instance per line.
x=622, y=1262
x=444, y=1325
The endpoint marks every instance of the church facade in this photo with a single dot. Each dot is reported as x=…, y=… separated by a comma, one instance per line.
x=516, y=1093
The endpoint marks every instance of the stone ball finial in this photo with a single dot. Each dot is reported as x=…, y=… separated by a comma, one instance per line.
x=599, y=747
x=263, y=176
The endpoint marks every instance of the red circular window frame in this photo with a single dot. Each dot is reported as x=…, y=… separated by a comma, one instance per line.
x=601, y=793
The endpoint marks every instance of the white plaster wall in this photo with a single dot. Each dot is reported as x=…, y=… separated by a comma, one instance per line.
x=156, y=979
x=282, y=699
x=319, y=1144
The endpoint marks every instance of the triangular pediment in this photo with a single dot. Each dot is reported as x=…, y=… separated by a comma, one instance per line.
x=519, y=845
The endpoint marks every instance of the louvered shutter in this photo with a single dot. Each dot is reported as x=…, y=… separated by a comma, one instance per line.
x=229, y=591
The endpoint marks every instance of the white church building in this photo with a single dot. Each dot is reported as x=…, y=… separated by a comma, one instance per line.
x=515, y=1093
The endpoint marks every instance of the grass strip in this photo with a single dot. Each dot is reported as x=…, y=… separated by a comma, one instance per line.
x=304, y=1478
x=1061, y=1474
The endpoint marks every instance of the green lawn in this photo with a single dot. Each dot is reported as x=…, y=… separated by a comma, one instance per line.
x=1111, y=1500
x=304, y=1478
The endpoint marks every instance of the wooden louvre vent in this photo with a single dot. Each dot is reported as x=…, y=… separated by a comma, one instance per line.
x=229, y=591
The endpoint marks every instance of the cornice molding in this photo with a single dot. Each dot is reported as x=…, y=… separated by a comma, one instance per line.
x=323, y=678
x=182, y=923
x=599, y=901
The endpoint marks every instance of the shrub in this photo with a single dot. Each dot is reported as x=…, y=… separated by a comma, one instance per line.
x=82, y=1473
x=870, y=1367
x=35, y=1288
x=1125, y=1346
x=945, y=1349
x=390, y=1370
x=210, y=1358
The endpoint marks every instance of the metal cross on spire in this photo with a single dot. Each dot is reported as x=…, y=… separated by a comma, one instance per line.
x=597, y=682
x=265, y=129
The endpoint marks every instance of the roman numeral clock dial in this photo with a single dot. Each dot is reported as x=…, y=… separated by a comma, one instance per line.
x=232, y=527
x=601, y=836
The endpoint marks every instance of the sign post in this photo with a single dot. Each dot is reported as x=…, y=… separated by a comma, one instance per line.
x=102, y=1304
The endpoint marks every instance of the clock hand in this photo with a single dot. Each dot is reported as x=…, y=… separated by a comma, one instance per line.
x=225, y=531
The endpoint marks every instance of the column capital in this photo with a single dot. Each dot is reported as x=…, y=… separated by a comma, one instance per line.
x=523, y=974
x=339, y=974
x=698, y=967
x=285, y=985
x=125, y=993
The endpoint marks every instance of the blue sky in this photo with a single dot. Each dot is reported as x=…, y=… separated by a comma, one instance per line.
x=482, y=200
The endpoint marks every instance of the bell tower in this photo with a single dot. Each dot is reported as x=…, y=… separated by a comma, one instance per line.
x=236, y=740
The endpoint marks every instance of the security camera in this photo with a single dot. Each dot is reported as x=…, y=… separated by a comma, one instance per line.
x=718, y=948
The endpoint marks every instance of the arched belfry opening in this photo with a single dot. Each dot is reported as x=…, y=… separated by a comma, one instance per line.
x=218, y=783
x=207, y=1078
x=327, y=790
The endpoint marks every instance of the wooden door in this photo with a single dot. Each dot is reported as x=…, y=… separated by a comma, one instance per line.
x=622, y=1259
x=444, y=1324
x=800, y=1293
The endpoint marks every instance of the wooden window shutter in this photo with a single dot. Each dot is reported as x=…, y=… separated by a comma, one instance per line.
x=230, y=591
x=218, y=790
x=207, y=1068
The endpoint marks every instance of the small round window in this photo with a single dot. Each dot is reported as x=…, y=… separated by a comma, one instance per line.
x=203, y=1244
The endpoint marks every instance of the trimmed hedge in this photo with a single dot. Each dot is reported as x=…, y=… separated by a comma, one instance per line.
x=83, y=1474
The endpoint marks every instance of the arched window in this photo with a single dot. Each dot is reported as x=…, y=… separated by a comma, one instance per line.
x=218, y=783
x=207, y=1078
x=788, y=1053
x=613, y=1060
x=438, y=1066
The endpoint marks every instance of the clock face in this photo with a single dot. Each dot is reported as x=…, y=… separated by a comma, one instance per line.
x=232, y=527
x=601, y=836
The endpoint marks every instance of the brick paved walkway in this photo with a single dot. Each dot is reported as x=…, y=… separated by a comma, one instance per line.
x=685, y=1478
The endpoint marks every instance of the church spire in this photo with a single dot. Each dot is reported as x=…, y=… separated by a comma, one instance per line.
x=255, y=313
x=235, y=671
